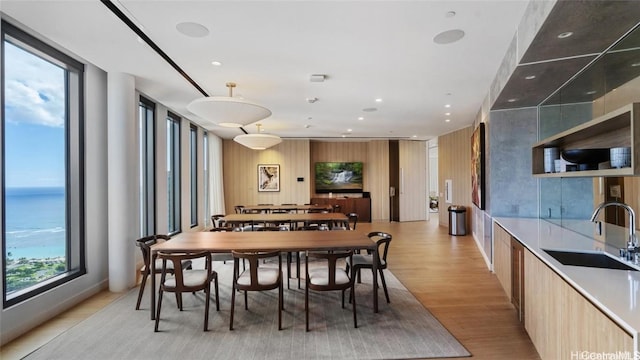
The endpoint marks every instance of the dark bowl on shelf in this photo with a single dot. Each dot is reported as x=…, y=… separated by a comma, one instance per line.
x=586, y=156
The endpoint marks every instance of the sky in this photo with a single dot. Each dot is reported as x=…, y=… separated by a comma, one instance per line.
x=34, y=127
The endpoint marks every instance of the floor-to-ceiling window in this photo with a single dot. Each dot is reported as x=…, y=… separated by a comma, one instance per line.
x=173, y=172
x=193, y=172
x=205, y=172
x=147, y=163
x=42, y=166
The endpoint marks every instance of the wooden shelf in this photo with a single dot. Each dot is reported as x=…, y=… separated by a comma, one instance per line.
x=619, y=128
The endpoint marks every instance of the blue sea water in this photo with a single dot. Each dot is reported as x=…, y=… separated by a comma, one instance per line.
x=35, y=222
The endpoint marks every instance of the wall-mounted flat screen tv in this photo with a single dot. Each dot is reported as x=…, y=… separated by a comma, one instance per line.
x=338, y=177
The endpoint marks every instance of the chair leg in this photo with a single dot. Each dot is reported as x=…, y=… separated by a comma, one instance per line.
x=215, y=279
x=179, y=300
x=246, y=300
x=280, y=303
x=384, y=285
x=142, y=285
x=207, y=300
x=359, y=277
x=288, y=269
x=233, y=304
x=306, y=306
x=298, y=268
x=158, y=311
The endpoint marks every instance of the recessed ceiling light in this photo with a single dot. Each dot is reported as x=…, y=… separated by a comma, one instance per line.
x=216, y=63
x=447, y=113
x=565, y=35
x=447, y=105
x=512, y=100
x=591, y=92
x=448, y=37
x=447, y=120
x=349, y=130
x=530, y=77
x=372, y=109
x=414, y=136
x=307, y=126
x=378, y=100
x=450, y=14
x=192, y=29
x=360, y=118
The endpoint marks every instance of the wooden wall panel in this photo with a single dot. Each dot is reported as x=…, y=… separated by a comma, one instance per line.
x=240, y=169
x=377, y=175
x=413, y=180
x=374, y=155
x=454, y=162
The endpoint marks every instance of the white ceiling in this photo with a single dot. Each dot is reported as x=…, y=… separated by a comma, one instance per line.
x=367, y=49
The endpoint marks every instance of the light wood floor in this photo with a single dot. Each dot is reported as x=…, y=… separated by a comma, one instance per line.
x=447, y=274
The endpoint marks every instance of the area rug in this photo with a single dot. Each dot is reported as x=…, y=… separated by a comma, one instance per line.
x=403, y=329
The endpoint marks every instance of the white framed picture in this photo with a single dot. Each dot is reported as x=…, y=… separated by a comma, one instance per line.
x=268, y=177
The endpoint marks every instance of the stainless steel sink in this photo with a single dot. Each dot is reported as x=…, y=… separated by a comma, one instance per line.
x=598, y=260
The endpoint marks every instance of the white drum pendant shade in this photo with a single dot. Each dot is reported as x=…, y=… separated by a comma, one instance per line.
x=258, y=141
x=227, y=110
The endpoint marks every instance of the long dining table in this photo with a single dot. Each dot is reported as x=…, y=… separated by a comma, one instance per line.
x=280, y=218
x=303, y=208
x=285, y=241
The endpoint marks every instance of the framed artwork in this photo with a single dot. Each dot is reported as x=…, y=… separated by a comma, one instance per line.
x=477, y=167
x=268, y=177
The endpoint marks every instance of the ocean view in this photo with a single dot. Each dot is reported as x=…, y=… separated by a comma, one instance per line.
x=35, y=222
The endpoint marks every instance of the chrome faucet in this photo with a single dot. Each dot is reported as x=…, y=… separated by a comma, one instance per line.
x=632, y=243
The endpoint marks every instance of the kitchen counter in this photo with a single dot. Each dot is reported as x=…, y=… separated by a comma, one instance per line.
x=615, y=292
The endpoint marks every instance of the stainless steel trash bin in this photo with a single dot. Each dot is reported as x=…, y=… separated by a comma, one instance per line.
x=457, y=220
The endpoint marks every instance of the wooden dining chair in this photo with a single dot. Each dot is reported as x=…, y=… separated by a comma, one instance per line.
x=327, y=276
x=353, y=220
x=216, y=220
x=187, y=280
x=256, y=278
x=365, y=261
x=145, y=244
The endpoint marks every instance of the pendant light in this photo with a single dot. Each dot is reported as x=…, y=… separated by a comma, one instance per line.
x=228, y=111
x=258, y=141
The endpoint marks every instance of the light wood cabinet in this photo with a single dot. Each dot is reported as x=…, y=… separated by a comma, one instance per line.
x=619, y=128
x=561, y=322
x=502, y=257
x=517, y=277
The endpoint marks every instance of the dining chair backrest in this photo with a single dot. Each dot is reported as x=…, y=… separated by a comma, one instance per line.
x=330, y=260
x=216, y=220
x=253, y=259
x=239, y=209
x=353, y=220
x=383, y=241
x=145, y=244
x=177, y=261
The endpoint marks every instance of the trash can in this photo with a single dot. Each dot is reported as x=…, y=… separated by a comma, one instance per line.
x=457, y=220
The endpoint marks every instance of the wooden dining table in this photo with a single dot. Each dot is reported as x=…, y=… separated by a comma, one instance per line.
x=284, y=241
x=281, y=218
x=303, y=208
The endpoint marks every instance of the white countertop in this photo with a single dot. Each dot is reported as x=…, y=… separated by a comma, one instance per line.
x=615, y=292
